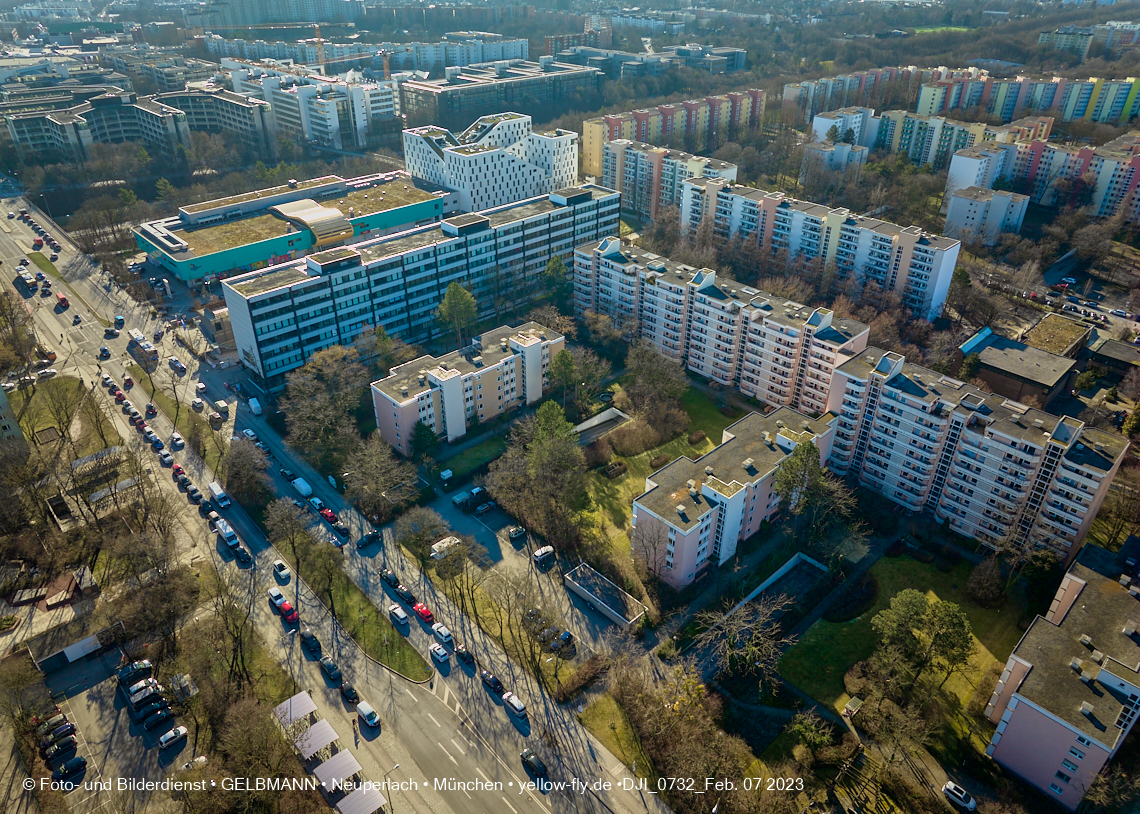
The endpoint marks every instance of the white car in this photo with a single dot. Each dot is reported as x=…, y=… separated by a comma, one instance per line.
x=397, y=613
x=107, y=380
x=47, y=374
x=439, y=653
x=173, y=736
x=177, y=441
x=9, y=386
x=250, y=434
x=281, y=570
x=200, y=387
x=441, y=633
x=165, y=458
x=146, y=683
x=275, y=596
x=959, y=796
x=193, y=764
x=197, y=404
x=1116, y=312
x=1069, y=280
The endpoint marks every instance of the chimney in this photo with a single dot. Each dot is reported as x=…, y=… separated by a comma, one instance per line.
x=1086, y=640
x=680, y=510
x=1086, y=709
x=1077, y=664
x=1129, y=628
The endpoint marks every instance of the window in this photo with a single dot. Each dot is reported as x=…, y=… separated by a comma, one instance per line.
x=1055, y=788
x=1081, y=739
x=1068, y=764
x=1062, y=776
x=1077, y=754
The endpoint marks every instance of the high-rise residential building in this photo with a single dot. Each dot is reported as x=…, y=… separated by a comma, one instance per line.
x=694, y=125
x=649, y=178
x=282, y=315
x=500, y=371
x=1112, y=38
x=934, y=139
x=497, y=160
x=770, y=348
x=693, y=514
x=590, y=38
x=311, y=108
x=990, y=468
x=509, y=84
x=1068, y=696
x=803, y=100
x=832, y=157
x=1111, y=101
x=10, y=430
x=981, y=214
x=223, y=15
x=1046, y=171
x=914, y=264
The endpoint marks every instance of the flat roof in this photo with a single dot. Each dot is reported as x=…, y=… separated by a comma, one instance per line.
x=244, y=197
x=1056, y=334
x=277, y=278
x=1025, y=362
x=1120, y=351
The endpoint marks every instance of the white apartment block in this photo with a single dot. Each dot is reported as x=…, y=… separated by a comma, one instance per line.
x=650, y=178
x=694, y=513
x=993, y=469
x=496, y=161
x=834, y=157
x=860, y=121
x=499, y=371
x=282, y=315
x=984, y=214
x=906, y=260
x=770, y=348
x=312, y=108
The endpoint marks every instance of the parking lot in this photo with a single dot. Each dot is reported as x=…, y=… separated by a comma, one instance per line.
x=115, y=745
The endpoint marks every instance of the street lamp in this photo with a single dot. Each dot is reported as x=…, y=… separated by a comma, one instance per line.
x=384, y=784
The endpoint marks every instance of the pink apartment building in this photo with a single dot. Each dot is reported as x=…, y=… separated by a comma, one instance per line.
x=693, y=513
x=1069, y=693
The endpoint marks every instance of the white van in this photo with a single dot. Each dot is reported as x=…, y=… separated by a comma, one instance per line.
x=443, y=547
x=543, y=554
x=367, y=714
x=514, y=705
x=227, y=533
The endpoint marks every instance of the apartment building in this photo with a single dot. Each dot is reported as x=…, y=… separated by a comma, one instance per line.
x=696, y=124
x=803, y=100
x=467, y=93
x=497, y=160
x=693, y=514
x=981, y=214
x=616, y=64
x=770, y=348
x=906, y=260
x=10, y=431
x=1045, y=170
x=113, y=117
x=832, y=157
x=989, y=467
x=649, y=178
x=284, y=314
x=1110, y=101
x=167, y=69
x=1068, y=696
x=224, y=15
x=1110, y=38
x=311, y=108
x=217, y=110
x=500, y=371
x=1016, y=370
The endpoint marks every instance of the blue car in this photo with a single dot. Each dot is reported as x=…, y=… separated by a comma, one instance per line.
x=119, y=322
x=157, y=444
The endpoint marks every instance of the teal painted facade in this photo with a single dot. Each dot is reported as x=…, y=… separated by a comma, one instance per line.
x=283, y=248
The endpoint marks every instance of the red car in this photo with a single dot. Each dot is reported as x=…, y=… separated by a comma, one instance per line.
x=151, y=410
x=177, y=470
x=424, y=612
x=329, y=514
x=141, y=426
x=287, y=612
x=120, y=397
x=128, y=382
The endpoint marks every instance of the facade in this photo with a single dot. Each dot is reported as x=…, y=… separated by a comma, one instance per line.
x=709, y=58
x=496, y=161
x=510, y=84
x=770, y=348
x=616, y=64
x=315, y=109
x=1019, y=371
x=499, y=371
x=223, y=15
x=1069, y=693
x=989, y=467
x=694, y=513
x=803, y=100
x=168, y=71
x=1109, y=101
x=245, y=232
x=696, y=124
x=284, y=314
x=1112, y=38
x=835, y=157
x=590, y=38
x=650, y=178
x=10, y=430
x=984, y=214
x=914, y=264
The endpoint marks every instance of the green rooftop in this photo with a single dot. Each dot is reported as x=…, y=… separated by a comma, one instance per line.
x=224, y=236
x=233, y=200
x=271, y=280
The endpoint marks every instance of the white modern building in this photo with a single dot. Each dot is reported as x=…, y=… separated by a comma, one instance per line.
x=860, y=122
x=832, y=157
x=770, y=348
x=496, y=161
x=984, y=214
x=316, y=109
x=282, y=315
x=906, y=260
x=989, y=467
x=649, y=178
x=500, y=370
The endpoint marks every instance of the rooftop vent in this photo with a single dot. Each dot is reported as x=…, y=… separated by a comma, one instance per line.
x=708, y=470
x=1134, y=590
x=1129, y=628
x=680, y=510
x=404, y=390
x=1125, y=580
x=1038, y=423
x=1086, y=709
x=542, y=334
x=767, y=437
x=1097, y=656
x=693, y=491
x=805, y=423
x=1077, y=664
x=443, y=365
x=692, y=483
x=1086, y=640
x=747, y=463
x=423, y=379
x=477, y=361
x=1088, y=678
x=779, y=422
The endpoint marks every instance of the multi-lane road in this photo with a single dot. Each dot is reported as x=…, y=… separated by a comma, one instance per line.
x=456, y=747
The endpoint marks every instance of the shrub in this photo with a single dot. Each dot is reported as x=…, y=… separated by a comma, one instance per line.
x=922, y=555
x=841, y=752
x=855, y=601
x=634, y=438
x=658, y=461
x=896, y=549
x=803, y=756
x=7, y=622
x=670, y=421
x=581, y=678
x=696, y=437
x=980, y=697
x=599, y=453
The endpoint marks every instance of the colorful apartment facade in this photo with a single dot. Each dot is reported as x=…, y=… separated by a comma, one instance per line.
x=650, y=178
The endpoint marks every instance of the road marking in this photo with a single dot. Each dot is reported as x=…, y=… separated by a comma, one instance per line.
x=449, y=757
x=445, y=695
x=433, y=720
x=462, y=751
x=508, y=805
x=465, y=792
x=481, y=774
x=409, y=692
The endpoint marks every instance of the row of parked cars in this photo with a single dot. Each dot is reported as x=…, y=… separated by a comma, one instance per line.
x=333, y=673
x=58, y=739
x=148, y=705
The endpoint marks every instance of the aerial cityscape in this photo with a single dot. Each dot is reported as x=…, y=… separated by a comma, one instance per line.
x=566, y=408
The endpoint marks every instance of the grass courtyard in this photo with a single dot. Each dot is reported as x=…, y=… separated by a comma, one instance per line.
x=613, y=499
x=54, y=403
x=823, y=655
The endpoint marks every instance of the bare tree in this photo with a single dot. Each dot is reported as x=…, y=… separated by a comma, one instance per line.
x=748, y=641
x=418, y=528
x=246, y=467
x=376, y=480
x=649, y=541
x=287, y=526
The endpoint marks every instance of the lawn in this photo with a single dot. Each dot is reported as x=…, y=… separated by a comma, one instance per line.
x=613, y=499
x=48, y=267
x=823, y=655
x=606, y=721
x=33, y=409
x=186, y=416
x=933, y=29
x=474, y=457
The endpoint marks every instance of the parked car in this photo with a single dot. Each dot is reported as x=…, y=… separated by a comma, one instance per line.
x=424, y=612
x=162, y=715
x=439, y=653
x=70, y=768
x=492, y=682
x=275, y=596
x=368, y=539
x=516, y=533
x=310, y=641
x=60, y=747
x=533, y=763
x=463, y=654
x=165, y=458
x=397, y=613
x=483, y=508
x=349, y=692
x=281, y=570
x=134, y=671
x=328, y=514
x=288, y=613
x=330, y=669
x=441, y=633
x=389, y=576
x=172, y=737
x=405, y=594
x=60, y=732
x=959, y=796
